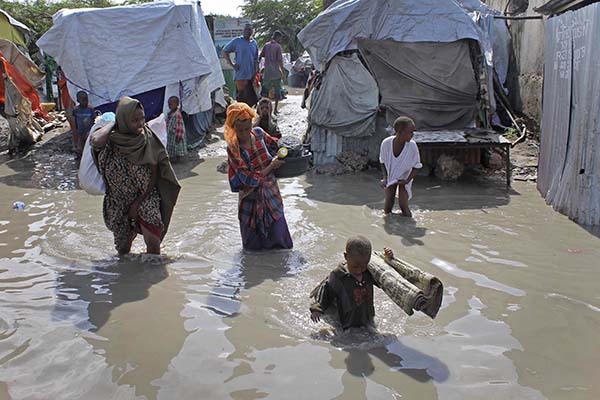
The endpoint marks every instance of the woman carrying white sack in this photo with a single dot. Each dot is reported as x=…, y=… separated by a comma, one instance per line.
x=400, y=163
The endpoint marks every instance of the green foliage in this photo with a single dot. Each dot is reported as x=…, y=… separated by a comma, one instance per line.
x=287, y=16
x=37, y=14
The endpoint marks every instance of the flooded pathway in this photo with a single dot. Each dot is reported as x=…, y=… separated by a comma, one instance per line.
x=520, y=317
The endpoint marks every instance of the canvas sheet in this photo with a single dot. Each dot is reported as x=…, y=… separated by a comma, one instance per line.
x=433, y=83
x=132, y=49
x=347, y=100
x=346, y=21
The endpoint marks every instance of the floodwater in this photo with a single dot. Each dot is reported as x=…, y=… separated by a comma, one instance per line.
x=520, y=317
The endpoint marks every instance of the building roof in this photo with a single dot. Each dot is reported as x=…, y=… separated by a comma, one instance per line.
x=554, y=7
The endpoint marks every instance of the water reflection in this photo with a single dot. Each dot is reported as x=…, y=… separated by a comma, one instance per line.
x=420, y=366
x=395, y=224
x=105, y=288
x=133, y=306
x=250, y=270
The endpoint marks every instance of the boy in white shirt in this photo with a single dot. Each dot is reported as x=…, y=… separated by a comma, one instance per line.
x=400, y=162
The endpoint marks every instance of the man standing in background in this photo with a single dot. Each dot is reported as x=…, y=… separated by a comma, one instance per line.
x=246, y=63
x=274, y=70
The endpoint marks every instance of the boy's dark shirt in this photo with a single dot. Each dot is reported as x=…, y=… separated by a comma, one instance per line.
x=353, y=299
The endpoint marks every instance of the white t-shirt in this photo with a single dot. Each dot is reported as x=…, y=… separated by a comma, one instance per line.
x=399, y=168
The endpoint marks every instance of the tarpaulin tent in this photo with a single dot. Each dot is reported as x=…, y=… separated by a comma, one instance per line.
x=13, y=30
x=431, y=60
x=130, y=50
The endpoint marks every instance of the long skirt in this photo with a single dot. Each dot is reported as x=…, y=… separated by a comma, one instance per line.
x=278, y=237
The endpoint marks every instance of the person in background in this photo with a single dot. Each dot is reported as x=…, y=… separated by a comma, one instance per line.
x=246, y=65
x=349, y=287
x=274, y=71
x=400, y=163
x=176, y=141
x=83, y=120
x=265, y=120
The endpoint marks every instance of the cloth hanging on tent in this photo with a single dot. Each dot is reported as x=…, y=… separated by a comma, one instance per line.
x=23, y=128
x=26, y=67
x=24, y=87
x=433, y=83
x=346, y=103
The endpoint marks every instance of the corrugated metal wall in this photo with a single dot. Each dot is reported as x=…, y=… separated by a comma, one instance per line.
x=569, y=167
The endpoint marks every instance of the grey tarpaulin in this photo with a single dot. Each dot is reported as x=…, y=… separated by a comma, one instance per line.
x=343, y=23
x=569, y=166
x=347, y=101
x=434, y=83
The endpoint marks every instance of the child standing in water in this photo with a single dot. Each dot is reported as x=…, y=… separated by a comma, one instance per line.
x=400, y=163
x=83, y=120
x=176, y=141
x=349, y=287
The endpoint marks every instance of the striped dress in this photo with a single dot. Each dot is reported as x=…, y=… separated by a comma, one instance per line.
x=260, y=209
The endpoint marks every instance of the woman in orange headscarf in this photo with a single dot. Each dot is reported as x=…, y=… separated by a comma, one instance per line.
x=251, y=167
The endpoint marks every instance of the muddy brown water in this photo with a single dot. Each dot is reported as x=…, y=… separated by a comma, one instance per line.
x=520, y=317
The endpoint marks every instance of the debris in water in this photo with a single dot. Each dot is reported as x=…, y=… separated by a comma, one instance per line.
x=448, y=168
x=223, y=167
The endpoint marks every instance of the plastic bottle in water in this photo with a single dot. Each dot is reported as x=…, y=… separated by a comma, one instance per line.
x=18, y=205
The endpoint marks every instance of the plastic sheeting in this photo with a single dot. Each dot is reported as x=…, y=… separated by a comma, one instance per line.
x=347, y=100
x=569, y=165
x=13, y=30
x=341, y=25
x=196, y=127
x=434, y=83
x=23, y=128
x=325, y=146
x=495, y=29
x=152, y=101
x=132, y=49
x=26, y=67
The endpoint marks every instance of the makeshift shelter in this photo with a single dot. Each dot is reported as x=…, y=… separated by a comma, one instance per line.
x=13, y=30
x=428, y=59
x=150, y=51
x=569, y=165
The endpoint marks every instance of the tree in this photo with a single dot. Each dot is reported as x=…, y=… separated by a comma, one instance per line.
x=287, y=16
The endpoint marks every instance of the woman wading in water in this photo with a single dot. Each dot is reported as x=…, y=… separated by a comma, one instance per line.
x=262, y=223
x=141, y=187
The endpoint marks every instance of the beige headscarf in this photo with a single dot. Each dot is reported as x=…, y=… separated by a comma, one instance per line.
x=146, y=148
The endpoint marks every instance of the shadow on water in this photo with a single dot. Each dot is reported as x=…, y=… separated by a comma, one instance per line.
x=251, y=269
x=396, y=224
x=104, y=289
x=349, y=189
x=421, y=367
x=184, y=169
x=428, y=192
